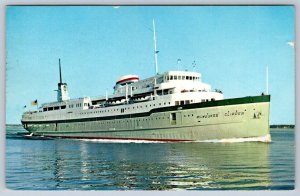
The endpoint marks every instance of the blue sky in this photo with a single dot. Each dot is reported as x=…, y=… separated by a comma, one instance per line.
x=231, y=45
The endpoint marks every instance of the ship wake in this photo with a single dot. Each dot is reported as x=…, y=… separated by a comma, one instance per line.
x=265, y=139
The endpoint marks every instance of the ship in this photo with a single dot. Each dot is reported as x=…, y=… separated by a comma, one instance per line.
x=174, y=106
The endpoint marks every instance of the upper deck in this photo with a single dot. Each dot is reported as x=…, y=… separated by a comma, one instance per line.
x=166, y=89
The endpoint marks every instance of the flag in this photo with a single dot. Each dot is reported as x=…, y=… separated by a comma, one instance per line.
x=35, y=102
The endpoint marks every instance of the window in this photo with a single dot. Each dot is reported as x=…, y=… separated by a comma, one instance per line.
x=44, y=109
x=175, y=77
x=171, y=77
x=63, y=107
x=183, y=77
x=179, y=77
x=56, y=108
x=50, y=108
x=173, y=116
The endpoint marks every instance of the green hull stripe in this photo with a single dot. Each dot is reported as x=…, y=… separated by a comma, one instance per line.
x=224, y=102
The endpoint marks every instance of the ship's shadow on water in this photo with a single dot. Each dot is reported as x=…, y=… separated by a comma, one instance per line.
x=63, y=164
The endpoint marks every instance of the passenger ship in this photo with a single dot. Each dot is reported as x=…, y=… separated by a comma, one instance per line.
x=175, y=106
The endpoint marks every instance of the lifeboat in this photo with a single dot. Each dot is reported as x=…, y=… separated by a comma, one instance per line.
x=141, y=99
x=117, y=102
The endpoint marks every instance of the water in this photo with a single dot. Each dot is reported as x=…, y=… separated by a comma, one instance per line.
x=63, y=164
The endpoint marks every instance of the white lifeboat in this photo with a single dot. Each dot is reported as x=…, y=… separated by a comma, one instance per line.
x=141, y=99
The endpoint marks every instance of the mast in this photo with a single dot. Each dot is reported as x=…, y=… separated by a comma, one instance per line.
x=62, y=88
x=155, y=50
x=60, y=78
x=267, y=80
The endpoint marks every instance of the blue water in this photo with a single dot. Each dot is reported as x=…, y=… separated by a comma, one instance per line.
x=64, y=164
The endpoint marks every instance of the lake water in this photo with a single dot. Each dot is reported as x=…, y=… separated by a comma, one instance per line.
x=64, y=164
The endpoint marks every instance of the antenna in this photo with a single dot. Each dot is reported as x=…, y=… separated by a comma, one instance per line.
x=194, y=65
x=155, y=50
x=60, y=78
x=178, y=62
x=267, y=80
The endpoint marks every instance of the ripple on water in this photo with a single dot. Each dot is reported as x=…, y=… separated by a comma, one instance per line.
x=93, y=165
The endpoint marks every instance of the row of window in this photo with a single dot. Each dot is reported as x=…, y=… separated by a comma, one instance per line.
x=123, y=109
x=143, y=119
x=206, y=100
x=183, y=102
x=86, y=104
x=78, y=105
x=175, y=77
x=61, y=107
x=54, y=108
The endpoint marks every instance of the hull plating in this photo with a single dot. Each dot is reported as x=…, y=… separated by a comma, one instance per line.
x=224, y=123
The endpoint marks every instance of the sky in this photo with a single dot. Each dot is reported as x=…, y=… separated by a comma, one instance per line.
x=232, y=47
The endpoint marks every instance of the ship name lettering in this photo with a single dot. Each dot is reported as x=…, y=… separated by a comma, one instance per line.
x=208, y=115
x=235, y=113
